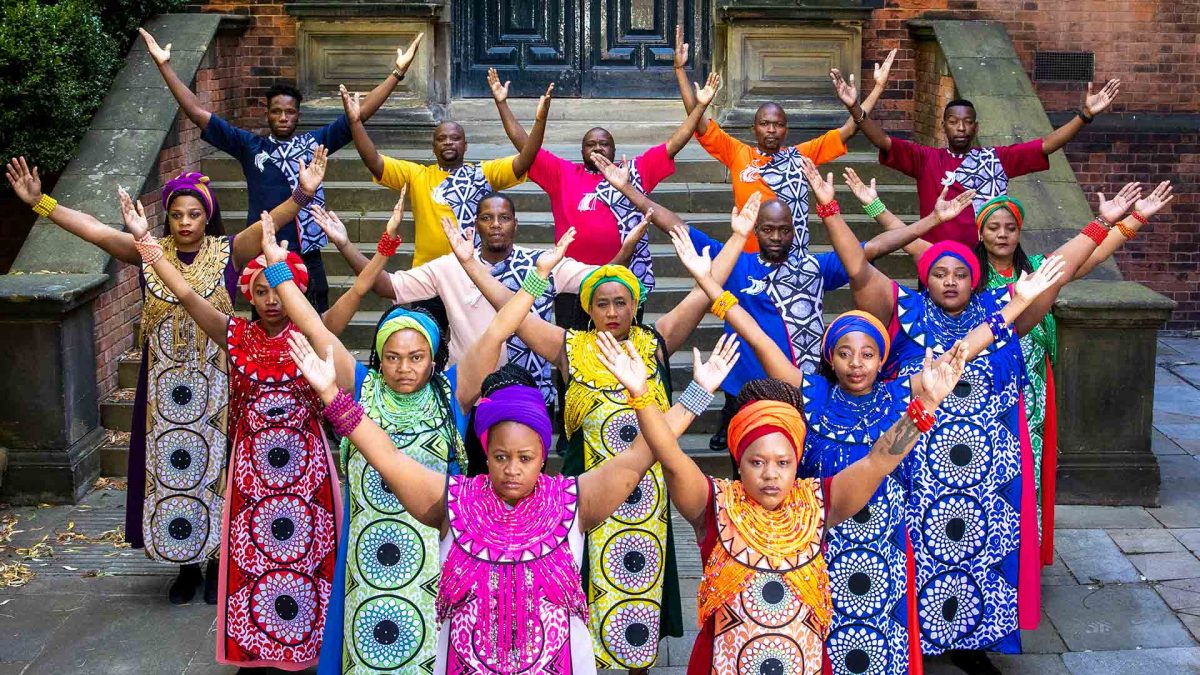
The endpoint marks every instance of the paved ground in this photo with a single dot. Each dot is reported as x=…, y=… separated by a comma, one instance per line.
x=1123, y=596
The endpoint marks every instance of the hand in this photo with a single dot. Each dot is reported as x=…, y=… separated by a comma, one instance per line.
x=705, y=96
x=617, y=175
x=331, y=225
x=938, y=377
x=313, y=173
x=462, y=242
x=1112, y=210
x=25, y=183
x=623, y=362
x=681, y=48
x=273, y=251
x=160, y=55
x=397, y=217
x=404, y=57
x=1152, y=204
x=865, y=194
x=848, y=93
x=133, y=214
x=547, y=261
x=320, y=373
x=352, y=103
x=635, y=235
x=499, y=91
x=742, y=222
x=822, y=188
x=543, y=108
x=1029, y=286
x=946, y=210
x=712, y=373
x=1094, y=104
x=699, y=265
x=882, y=72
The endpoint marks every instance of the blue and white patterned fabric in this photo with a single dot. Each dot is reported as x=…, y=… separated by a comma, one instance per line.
x=628, y=217
x=511, y=272
x=982, y=171
x=786, y=179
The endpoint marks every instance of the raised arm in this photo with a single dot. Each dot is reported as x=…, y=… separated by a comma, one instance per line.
x=1025, y=293
x=421, y=491
x=378, y=95
x=703, y=97
x=211, y=320
x=686, y=90
x=1143, y=210
x=512, y=127
x=860, y=118
x=336, y=318
x=1093, y=104
x=335, y=229
x=362, y=140
x=27, y=185
x=533, y=143
x=247, y=243
x=188, y=102
x=867, y=195
x=630, y=242
x=617, y=175
x=851, y=488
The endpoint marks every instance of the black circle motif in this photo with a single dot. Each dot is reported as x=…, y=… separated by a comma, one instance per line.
x=962, y=389
x=637, y=634
x=956, y=529
x=773, y=592
x=282, y=529
x=180, y=529
x=628, y=433
x=961, y=454
x=950, y=608
x=388, y=554
x=859, y=583
x=181, y=459
x=181, y=394
x=278, y=457
x=857, y=661
x=863, y=516
x=771, y=666
x=286, y=607
x=635, y=496
x=634, y=561
x=386, y=632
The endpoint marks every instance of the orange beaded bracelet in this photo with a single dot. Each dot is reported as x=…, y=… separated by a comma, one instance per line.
x=722, y=304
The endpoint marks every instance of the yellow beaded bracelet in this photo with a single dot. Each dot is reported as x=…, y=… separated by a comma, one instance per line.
x=640, y=402
x=45, y=205
x=722, y=304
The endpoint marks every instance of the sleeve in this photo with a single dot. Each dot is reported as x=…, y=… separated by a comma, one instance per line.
x=569, y=274
x=335, y=135
x=227, y=138
x=719, y=144
x=824, y=148
x=419, y=283
x=700, y=240
x=396, y=173
x=499, y=173
x=460, y=418
x=905, y=156
x=1022, y=158
x=655, y=165
x=545, y=169
x=833, y=272
x=360, y=376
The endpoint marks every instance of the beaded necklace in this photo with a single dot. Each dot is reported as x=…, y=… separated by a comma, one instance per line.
x=591, y=381
x=205, y=274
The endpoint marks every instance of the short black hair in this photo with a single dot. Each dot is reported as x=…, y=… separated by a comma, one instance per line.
x=957, y=103
x=500, y=195
x=283, y=89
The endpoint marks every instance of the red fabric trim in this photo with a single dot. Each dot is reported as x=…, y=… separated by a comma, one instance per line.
x=1049, y=467
x=916, y=664
x=754, y=435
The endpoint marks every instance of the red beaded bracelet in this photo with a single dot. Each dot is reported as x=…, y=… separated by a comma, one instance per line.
x=920, y=416
x=826, y=210
x=1139, y=217
x=388, y=244
x=1095, y=231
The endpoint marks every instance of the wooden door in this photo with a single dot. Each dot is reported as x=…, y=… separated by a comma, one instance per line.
x=530, y=42
x=628, y=46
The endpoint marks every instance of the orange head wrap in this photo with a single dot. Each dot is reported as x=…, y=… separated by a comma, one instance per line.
x=759, y=418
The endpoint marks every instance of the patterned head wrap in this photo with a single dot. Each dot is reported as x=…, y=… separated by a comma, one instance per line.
x=400, y=319
x=256, y=266
x=192, y=180
x=605, y=274
x=995, y=204
x=856, y=321
x=760, y=418
x=515, y=403
x=947, y=248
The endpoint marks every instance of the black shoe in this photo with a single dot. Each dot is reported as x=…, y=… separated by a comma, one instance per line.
x=184, y=588
x=212, y=575
x=719, y=442
x=974, y=662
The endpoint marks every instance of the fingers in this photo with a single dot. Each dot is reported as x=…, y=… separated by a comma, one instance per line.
x=945, y=192
x=928, y=358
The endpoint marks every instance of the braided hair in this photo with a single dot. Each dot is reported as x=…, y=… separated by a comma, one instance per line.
x=770, y=389
x=508, y=375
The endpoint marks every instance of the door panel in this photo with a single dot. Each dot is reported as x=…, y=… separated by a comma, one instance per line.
x=530, y=42
x=629, y=46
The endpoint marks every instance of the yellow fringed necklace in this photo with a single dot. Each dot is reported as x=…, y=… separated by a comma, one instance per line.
x=591, y=380
x=206, y=275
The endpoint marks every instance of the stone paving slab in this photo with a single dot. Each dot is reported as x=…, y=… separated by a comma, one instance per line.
x=1145, y=541
x=1093, y=557
x=1068, y=517
x=1134, y=662
x=1166, y=566
x=1113, y=617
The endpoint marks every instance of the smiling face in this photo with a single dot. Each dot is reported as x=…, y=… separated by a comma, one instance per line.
x=449, y=144
x=496, y=225
x=406, y=362
x=768, y=470
x=186, y=219
x=1000, y=235
x=770, y=128
x=283, y=114
x=856, y=362
x=514, y=460
x=959, y=125
x=613, y=309
x=950, y=284
x=597, y=140
x=774, y=231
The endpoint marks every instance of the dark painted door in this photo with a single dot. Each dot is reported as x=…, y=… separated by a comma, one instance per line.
x=592, y=48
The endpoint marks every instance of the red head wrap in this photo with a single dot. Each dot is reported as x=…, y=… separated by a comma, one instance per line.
x=256, y=266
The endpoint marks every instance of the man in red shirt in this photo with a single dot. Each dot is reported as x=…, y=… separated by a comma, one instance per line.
x=961, y=166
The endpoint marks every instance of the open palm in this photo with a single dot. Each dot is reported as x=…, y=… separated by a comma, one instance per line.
x=319, y=372
x=1029, y=286
x=1152, y=203
x=623, y=362
x=711, y=373
x=550, y=259
x=699, y=265
x=939, y=377
x=133, y=214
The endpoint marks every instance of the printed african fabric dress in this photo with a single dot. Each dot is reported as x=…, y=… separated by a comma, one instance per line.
x=628, y=552
x=786, y=179
x=763, y=602
x=281, y=512
x=970, y=510
x=867, y=554
x=511, y=592
x=1039, y=348
x=186, y=412
x=391, y=565
x=798, y=290
x=628, y=217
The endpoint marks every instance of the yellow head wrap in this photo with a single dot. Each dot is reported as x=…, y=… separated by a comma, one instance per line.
x=605, y=274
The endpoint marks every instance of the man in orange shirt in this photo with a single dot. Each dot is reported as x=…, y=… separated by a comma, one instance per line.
x=770, y=167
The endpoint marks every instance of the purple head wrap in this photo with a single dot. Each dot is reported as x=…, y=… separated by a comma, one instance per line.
x=514, y=403
x=192, y=180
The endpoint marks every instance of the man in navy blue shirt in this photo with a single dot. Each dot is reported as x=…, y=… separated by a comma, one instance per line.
x=271, y=163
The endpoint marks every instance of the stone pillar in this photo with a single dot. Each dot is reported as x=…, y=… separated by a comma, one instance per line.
x=49, y=413
x=1104, y=379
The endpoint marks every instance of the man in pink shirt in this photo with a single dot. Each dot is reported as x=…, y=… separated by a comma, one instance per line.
x=985, y=170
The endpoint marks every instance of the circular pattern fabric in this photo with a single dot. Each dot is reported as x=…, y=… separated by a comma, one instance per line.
x=276, y=408
x=630, y=632
x=641, y=504
x=284, y=606
x=281, y=456
x=376, y=492
x=632, y=560
x=971, y=394
x=182, y=395
x=770, y=602
x=390, y=553
x=868, y=525
x=959, y=454
x=181, y=459
x=180, y=528
x=771, y=654
x=165, y=334
x=949, y=606
x=282, y=528
x=387, y=632
x=860, y=583
x=620, y=430
x=859, y=649
x=953, y=528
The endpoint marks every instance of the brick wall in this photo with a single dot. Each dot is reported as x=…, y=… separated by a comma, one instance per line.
x=934, y=88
